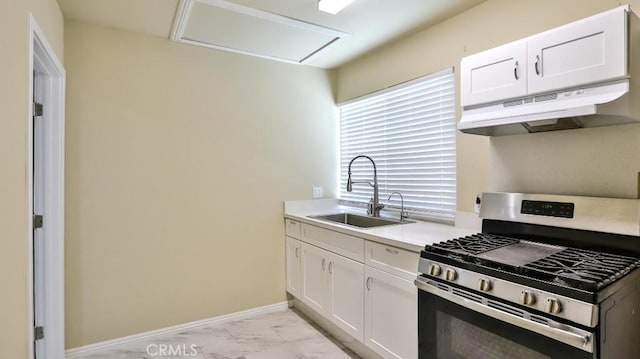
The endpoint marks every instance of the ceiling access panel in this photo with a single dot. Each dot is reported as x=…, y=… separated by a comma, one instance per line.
x=227, y=26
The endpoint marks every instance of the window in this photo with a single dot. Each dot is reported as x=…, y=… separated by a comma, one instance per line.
x=409, y=130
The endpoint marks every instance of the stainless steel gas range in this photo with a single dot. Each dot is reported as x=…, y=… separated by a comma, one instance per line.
x=549, y=277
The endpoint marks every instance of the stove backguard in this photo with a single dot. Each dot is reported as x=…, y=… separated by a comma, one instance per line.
x=597, y=214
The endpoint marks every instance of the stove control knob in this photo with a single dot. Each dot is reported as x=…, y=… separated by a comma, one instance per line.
x=527, y=298
x=450, y=274
x=553, y=306
x=435, y=270
x=484, y=284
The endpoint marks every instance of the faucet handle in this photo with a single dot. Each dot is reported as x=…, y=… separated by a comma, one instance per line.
x=373, y=208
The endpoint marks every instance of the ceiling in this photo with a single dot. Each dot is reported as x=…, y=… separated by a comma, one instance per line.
x=371, y=23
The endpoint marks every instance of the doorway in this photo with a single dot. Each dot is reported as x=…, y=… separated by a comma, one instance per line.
x=45, y=197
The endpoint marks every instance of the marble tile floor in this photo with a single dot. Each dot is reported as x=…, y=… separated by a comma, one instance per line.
x=279, y=335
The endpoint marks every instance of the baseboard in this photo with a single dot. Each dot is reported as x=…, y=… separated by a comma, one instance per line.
x=92, y=348
x=337, y=333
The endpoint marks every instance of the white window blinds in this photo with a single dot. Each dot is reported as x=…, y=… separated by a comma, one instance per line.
x=409, y=130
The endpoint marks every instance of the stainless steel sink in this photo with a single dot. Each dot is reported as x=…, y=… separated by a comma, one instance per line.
x=358, y=221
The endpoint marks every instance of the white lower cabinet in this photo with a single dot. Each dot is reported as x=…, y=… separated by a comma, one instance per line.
x=332, y=286
x=315, y=291
x=391, y=315
x=292, y=255
x=374, y=302
x=346, y=295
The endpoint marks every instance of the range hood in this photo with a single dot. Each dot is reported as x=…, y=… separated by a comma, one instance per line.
x=601, y=105
x=578, y=75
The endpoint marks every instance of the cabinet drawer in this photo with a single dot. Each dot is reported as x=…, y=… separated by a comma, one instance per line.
x=396, y=261
x=292, y=228
x=343, y=244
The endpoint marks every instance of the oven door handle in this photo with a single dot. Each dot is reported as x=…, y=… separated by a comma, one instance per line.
x=569, y=335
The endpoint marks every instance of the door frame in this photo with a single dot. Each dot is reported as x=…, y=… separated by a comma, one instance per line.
x=43, y=58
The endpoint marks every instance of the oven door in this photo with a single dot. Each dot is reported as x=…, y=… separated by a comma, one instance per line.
x=457, y=324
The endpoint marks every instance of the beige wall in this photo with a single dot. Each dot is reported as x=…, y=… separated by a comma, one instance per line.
x=178, y=160
x=597, y=162
x=174, y=185
x=14, y=102
x=601, y=162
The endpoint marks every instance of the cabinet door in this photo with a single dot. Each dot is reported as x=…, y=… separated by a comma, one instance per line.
x=580, y=53
x=314, y=279
x=494, y=75
x=391, y=315
x=292, y=254
x=346, y=295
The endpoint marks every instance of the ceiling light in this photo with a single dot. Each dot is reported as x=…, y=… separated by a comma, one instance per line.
x=333, y=6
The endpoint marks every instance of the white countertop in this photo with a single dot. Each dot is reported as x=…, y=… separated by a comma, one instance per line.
x=410, y=236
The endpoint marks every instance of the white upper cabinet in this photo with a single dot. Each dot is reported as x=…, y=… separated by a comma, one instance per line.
x=494, y=75
x=581, y=53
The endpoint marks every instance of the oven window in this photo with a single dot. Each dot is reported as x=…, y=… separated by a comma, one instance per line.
x=459, y=339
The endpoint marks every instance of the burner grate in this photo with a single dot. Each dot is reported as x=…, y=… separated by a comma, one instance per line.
x=475, y=244
x=582, y=268
x=568, y=267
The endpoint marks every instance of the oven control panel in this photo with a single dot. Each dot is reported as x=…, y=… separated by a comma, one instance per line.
x=550, y=209
x=546, y=302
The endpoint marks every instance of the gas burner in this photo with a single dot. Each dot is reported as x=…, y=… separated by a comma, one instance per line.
x=567, y=267
x=475, y=244
x=583, y=269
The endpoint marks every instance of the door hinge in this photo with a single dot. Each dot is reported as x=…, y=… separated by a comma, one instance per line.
x=37, y=221
x=38, y=109
x=38, y=333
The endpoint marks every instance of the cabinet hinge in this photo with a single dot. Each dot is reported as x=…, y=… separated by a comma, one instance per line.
x=37, y=221
x=38, y=109
x=38, y=333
